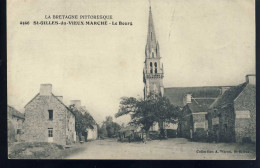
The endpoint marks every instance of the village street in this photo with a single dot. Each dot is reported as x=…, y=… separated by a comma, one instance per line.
x=175, y=148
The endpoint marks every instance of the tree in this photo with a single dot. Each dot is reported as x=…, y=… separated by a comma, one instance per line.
x=146, y=112
x=102, y=131
x=110, y=128
x=83, y=120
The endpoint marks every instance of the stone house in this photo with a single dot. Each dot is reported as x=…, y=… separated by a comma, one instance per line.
x=48, y=119
x=193, y=123
x=232, y=116
x=193, y=102
x=92, y=134
x=15, y=124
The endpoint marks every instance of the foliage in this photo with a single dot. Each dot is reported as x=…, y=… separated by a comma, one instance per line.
x=83, y=120
x=102, y=132
x=34, y=150
x=146, y=112
x=109, y=128
x=200, y=135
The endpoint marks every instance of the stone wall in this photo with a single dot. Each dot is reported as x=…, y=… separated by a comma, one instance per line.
x=199, y=121
x=37, y=120
x=92, y=133
x=70, y=131
x=213, y=125
x=15, y=122
x=245, y=108
x=227, y=124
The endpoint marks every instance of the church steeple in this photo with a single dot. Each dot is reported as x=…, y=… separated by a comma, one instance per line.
x=151, y=44
x=153, y=71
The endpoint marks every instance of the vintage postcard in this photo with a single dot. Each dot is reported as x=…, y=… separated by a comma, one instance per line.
x=132, y=79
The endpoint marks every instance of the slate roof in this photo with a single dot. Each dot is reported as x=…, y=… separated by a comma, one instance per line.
x=229, y=96
x=12, y=111
x=176, y=94
x=196, y=107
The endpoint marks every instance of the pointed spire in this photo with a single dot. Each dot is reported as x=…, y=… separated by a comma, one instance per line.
x=151, y=38
x=151, y=33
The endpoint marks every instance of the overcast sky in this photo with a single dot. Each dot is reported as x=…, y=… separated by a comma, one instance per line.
x=202, y=43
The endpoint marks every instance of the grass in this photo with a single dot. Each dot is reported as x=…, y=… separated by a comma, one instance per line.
x=41, y=150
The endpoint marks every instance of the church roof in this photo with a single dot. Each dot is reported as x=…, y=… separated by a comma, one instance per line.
x=203, y=95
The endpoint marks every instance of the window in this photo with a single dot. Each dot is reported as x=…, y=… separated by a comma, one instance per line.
x=151, y=36
x=155, y=66
x=50, y=114
x=50, y=132
x=19, y=131
x=152, y=54
x=151, y=67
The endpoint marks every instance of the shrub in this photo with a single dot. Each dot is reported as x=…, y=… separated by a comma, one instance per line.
x=200, y=135
x=154, y=135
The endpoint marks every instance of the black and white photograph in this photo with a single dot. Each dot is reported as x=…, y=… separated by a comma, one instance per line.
x=131, y=80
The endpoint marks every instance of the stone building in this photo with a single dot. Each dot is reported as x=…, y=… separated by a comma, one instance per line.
x=193, y=123
x=153, y=75
x=92, y=134
x=202, y=113
x=153, y=69
x=48, y=119
x=233, y=115
x=15, y=124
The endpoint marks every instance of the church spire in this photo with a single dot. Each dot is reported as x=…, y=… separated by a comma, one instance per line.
x=151, y=43
x=153, y=71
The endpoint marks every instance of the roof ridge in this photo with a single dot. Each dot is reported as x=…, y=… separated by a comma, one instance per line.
x=32, y=99
x=199, y=86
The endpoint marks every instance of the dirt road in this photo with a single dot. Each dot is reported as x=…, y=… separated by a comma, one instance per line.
x=176, y=148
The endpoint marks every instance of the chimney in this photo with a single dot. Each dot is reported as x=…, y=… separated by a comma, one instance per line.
x=187, y=99
x=60, y=98
x=46, y=89
x=250, y=79
x=76, y=102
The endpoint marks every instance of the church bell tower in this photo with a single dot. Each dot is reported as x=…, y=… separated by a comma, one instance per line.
x=153, y=69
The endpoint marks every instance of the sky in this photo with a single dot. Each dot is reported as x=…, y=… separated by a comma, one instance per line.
x=202, y=43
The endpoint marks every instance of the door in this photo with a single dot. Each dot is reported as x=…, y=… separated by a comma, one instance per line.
x=50, y=134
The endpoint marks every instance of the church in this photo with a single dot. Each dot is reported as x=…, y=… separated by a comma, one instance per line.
x=196, y=100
